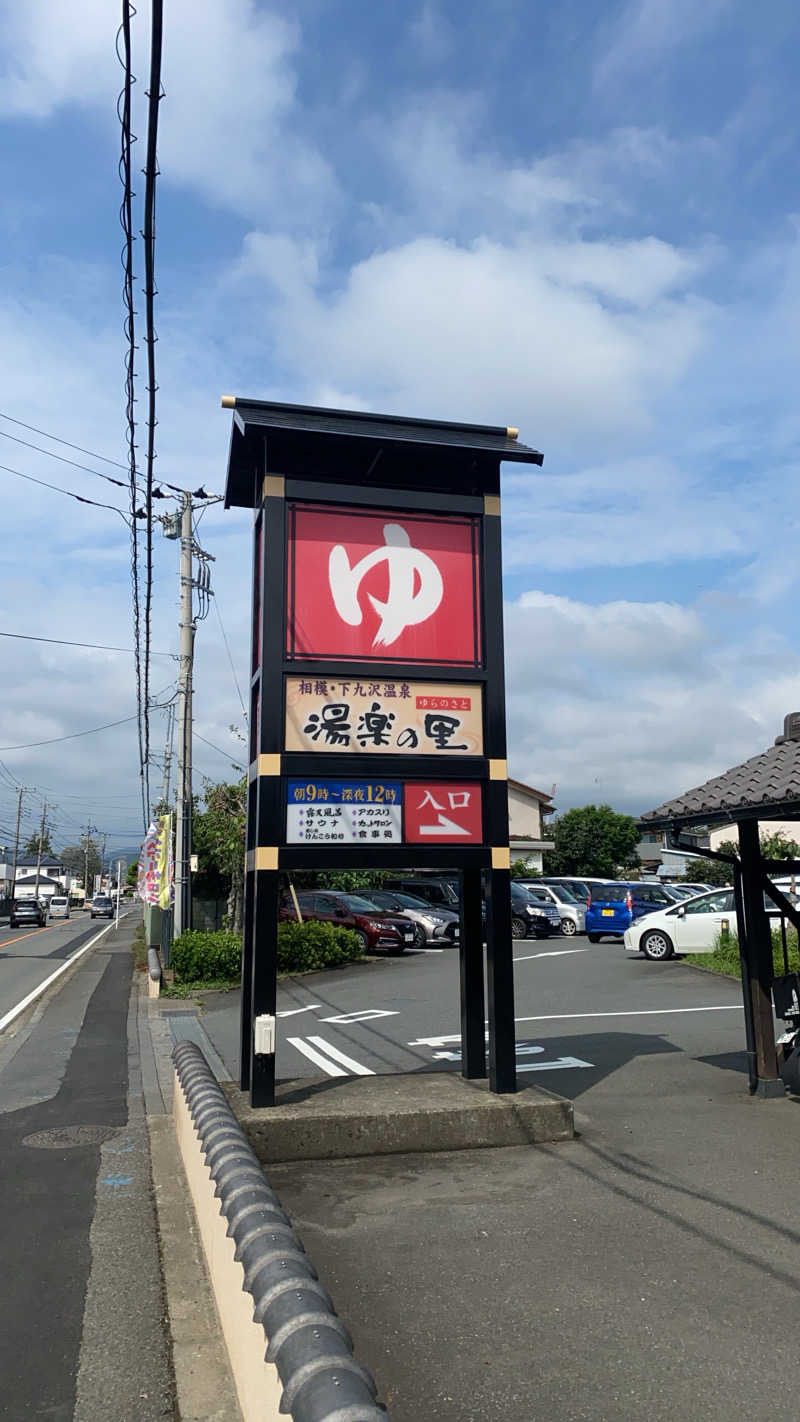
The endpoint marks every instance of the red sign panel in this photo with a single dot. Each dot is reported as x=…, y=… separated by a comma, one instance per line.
x=374, y=585
x=443, y=813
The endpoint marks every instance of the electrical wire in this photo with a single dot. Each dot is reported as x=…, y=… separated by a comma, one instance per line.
x=70, y=495
x=60, y=642
x=197, y=736
x=176, y=488
x=154, y=95
x=51, y=454
x=127, y=140
x=230, y=659
x=74, y=735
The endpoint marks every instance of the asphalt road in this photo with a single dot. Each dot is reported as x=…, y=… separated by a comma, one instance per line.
x=582, y=1011
x=28, y=956
x=81, y=1311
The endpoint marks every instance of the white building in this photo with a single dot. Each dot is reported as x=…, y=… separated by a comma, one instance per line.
x=526, y=811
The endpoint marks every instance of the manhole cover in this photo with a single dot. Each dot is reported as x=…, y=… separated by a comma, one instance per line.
x=62, y=1137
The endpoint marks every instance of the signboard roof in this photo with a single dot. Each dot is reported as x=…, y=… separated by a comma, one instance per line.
x=303, y=437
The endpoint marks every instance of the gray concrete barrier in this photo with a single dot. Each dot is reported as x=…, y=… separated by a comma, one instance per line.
x=266, y=1286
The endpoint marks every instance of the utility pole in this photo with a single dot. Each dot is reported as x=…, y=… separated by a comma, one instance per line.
x=39, y=855
x=23, y=790
x=103, y=861
x=183, y=817
x=89, y=828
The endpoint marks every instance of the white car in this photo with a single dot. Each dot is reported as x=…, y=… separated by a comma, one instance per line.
x=692, y=927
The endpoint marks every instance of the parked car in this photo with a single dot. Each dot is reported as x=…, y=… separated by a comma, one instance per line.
x=614, y=907
x=579, y=886
x=431, y=925
x=442, y=892
x=691, y=927
x=373, y=927
x=102, y=907
x=529, y=916
x=571, y=909
x=696, y=888
x=59, y=906
x=25, y=911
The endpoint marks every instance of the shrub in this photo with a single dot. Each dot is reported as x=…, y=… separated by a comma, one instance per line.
x=303, y=946
x=197, y=956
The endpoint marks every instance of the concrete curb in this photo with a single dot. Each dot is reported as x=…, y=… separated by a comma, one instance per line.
x=309, y=1370
x=398, y=1115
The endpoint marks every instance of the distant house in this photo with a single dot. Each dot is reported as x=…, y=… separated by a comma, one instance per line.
x=656, y=858
x=789, y=829
x=25, y=887
x=527, y=808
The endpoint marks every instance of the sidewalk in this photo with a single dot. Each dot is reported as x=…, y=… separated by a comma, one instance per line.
x=649, y=1269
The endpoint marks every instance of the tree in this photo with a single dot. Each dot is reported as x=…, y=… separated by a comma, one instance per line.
x=31, y=845
x=218, y=839
x=593, y=840
x=132, y=876
x=74, y=859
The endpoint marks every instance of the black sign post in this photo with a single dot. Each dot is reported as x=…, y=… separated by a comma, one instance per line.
x=377, y=699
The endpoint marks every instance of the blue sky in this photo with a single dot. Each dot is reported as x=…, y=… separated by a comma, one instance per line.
x=578, y=219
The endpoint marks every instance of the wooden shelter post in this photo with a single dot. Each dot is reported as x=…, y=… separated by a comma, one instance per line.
x=755, y=942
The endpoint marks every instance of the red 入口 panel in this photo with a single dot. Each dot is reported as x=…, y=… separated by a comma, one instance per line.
x=443, y=813
x=374, y=585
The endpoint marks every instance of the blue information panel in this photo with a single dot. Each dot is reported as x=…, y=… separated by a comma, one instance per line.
x=344, y=812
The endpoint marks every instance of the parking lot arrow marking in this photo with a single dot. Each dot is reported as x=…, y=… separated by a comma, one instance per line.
x=367, y=1014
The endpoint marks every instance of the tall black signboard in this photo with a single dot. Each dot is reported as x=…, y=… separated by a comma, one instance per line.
x=377, y=702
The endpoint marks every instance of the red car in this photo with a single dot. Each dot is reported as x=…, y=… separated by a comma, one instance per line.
x=374, y=929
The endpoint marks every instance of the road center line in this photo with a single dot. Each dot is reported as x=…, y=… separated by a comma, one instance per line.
x=551, y=953
x=340, y=1057
x=32, y=934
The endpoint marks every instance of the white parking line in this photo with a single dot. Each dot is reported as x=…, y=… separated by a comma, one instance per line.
x=552, y=953
x=316, y=1057
x=637, y=1012
x=293, y=1011
x=340, y=1057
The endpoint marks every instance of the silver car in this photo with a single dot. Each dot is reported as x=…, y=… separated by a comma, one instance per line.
x=571, y=909
x=59, y=906
x=439, y=926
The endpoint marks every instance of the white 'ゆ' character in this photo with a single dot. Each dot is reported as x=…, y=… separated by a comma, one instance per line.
x=403, y=607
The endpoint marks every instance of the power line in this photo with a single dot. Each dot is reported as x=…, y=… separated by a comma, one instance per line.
x=92, y=453
x=230, y=659
x=60, y=642
x=149, y=238
x=70, y=495
x=58, y=440
x=219, y=749
x=51, y=454
x=30, y=745
x=127, y=139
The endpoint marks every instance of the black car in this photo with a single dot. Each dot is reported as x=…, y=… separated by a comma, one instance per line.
x=102, y=907
x=24, y=911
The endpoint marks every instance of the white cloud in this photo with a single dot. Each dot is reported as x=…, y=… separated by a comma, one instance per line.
x=631, y=702
x=649, y=31
x=228, y=124
x=527, y=332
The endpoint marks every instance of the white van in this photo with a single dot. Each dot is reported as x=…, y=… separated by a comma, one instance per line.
x=59, y=907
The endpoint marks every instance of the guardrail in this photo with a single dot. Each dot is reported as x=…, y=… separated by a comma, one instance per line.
x=306, y=1341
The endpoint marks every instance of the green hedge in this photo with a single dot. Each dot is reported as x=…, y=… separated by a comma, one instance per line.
x=725, y=958
x=303, y=946
x=199, y=957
